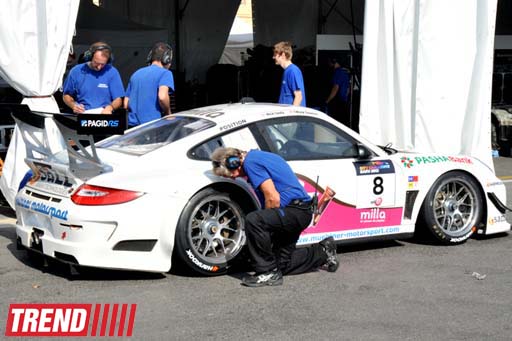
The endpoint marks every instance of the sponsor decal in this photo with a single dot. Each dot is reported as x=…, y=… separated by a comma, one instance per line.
x=201, y=265
x=40, y=207
x=377, y=201
x=374, y=167
x=63, y=235
x=70, y=319
x=323, y=202
x=99, y=123
x=460, y=239
x=341, y=235
x=408, y=163
x=274, y=113
x=233, y=125
x=44, y=172
x=437, y=159
x=496, y=183
x=372, y=215
x=497, y=219
x=412, y=181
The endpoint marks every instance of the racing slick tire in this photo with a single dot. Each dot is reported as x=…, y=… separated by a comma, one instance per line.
x=453, y=208
x=210, y=233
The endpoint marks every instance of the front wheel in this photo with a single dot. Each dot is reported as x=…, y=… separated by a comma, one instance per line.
x=210, y=233
x=453, y=208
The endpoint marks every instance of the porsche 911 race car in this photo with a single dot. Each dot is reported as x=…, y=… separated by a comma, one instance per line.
x=144, y=199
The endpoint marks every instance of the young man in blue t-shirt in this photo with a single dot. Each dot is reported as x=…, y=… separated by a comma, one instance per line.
x=272, y=232
x=147, y=94
x=292, y=84
x=94, y=85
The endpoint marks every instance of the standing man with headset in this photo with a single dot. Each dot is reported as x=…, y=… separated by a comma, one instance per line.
x=147, y=94
x=94, y=86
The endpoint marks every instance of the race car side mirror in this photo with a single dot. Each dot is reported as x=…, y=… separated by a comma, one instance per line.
x=363, y=153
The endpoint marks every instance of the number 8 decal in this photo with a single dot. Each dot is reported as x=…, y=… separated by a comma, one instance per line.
x=378, y=187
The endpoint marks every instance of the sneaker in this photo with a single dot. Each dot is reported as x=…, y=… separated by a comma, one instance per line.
x=329, y=247
x=273, y=277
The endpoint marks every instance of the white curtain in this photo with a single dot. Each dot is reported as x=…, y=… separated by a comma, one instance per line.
x=427, y=75
x=35, y=37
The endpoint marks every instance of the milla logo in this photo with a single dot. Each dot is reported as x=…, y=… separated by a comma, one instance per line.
x=372, y=215
x=70, y=320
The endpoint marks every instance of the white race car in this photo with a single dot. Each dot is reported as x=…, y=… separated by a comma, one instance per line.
x=144, y=199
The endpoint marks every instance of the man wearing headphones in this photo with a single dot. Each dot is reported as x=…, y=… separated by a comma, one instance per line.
x=272, y=232
x=147, y=94
x=94, y=86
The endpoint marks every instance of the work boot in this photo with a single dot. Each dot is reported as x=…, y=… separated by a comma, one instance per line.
x=329, y=247
x=272, y=277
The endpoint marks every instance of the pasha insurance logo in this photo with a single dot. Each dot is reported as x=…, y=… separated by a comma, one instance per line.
x=70, y=320
x=408, y=163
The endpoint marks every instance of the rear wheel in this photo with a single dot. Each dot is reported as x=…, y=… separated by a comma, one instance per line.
x=210, y=233
x=453, y=208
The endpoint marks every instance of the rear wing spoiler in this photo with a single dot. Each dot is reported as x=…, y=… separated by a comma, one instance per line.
x=74, y=153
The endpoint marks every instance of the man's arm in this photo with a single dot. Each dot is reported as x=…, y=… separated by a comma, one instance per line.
x=70, y=102
x=125, y=102
x=333, y=93
x=116, y=104
x=164, y=100
x=297, y=97
x=272, y=197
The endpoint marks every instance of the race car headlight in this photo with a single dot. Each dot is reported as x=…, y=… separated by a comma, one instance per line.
x=96, y=195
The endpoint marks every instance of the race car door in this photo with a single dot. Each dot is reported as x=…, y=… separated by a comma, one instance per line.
x=356, y=196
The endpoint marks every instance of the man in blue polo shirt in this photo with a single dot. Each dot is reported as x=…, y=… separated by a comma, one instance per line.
x=147, y=94
x=95, y=85
x=272, y=232
x=292, y=84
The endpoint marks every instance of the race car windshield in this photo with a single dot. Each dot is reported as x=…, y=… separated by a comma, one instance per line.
x=156, y=134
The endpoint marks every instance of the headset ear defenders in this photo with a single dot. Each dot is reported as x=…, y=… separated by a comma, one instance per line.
x=98, y=47
x=232, y=162
x=166, y=56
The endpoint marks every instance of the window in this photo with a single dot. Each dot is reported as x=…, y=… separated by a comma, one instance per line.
x=156, y=134
x=303, y=138
x=242, y=139
x=204, y=150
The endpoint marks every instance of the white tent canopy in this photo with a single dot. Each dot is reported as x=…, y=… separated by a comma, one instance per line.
x=426, y=82
x=34, y=47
